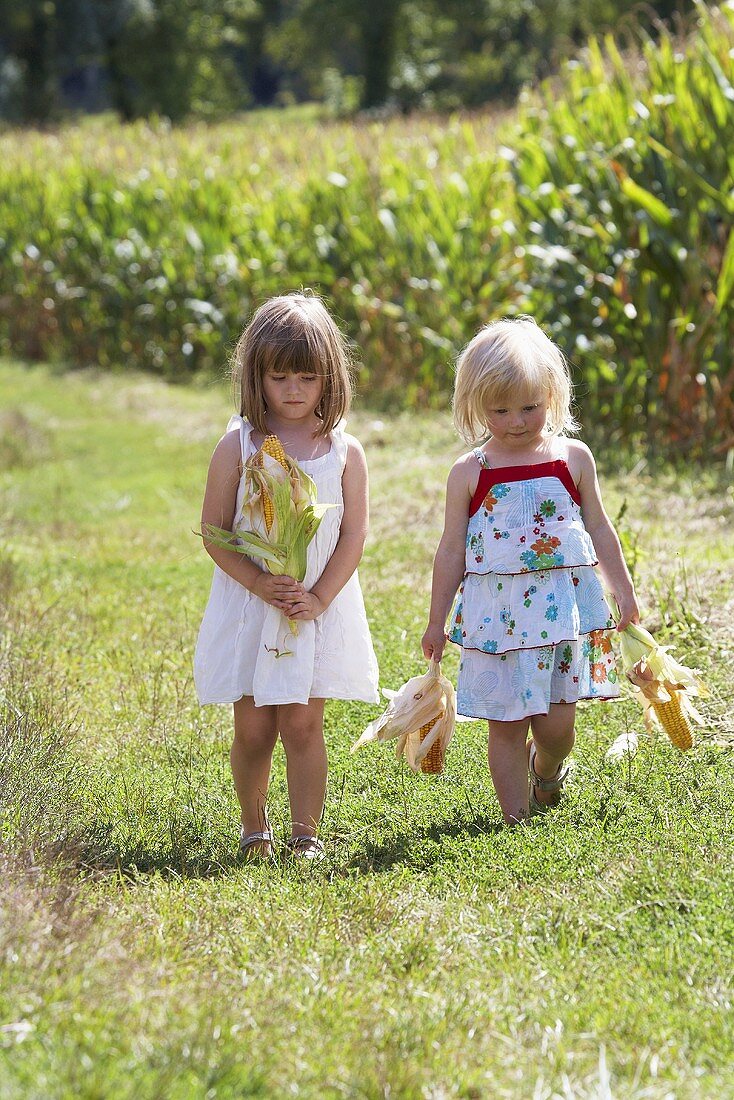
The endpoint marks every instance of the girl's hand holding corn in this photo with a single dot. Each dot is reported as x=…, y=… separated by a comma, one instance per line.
x=281, y=515
x=305, y=607
x=433, y=642
x=629, y=611
x=278, y=591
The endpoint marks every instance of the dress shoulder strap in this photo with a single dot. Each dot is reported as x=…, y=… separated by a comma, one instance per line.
x=481, y=458
x=339, y=444
x=238, y=423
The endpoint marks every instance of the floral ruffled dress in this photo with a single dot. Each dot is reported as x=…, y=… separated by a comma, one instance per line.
x=530, y=617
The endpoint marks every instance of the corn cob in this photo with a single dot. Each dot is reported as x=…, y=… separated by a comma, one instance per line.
x=664, y=686
x=280, y=516
x=273, y=447
x=432, y=762
x=425, y=703
x=674, y=721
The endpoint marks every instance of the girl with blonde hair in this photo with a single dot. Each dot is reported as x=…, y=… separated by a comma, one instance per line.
x=525, y=529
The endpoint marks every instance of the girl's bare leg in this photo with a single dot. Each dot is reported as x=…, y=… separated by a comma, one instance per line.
x=508, y=766
x=302, y=734
x=554, y=735
x=255, y=734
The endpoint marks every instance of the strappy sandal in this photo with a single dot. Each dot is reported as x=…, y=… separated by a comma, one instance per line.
x=252, y=845
x=551, y=786
x=306, y=846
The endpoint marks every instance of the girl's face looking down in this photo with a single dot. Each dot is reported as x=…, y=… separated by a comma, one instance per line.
x=292, y=397
x=518, y=422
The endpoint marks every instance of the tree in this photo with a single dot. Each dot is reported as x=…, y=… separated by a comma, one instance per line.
x=354, y=37
x=208, y=57
x=29, y=37
x=172, y=57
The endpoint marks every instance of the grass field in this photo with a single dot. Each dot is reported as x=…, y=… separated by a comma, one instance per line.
x=434, y=953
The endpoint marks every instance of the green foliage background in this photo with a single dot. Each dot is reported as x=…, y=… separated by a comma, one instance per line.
x=604, y=208
x=205, y=58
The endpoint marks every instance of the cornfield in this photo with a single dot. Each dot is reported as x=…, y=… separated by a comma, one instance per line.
x=625, y=187
x=603, y=207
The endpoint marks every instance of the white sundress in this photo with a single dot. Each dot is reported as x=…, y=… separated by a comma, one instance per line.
x=246, y=647
x=530, y=616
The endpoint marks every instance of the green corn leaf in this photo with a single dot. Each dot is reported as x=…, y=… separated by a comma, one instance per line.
x=721, y=198
x=726, y=276
x=652, y=205
x=283, y=509
x=724, y=84
x=296, y=561
x=248, y=543
x=313, y=517
x=300, y=536
x=219, y=535
x=259, y=548
x=308, y=484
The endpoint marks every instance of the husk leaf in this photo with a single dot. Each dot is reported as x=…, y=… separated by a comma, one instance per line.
x=284, y=549
x=422, y=699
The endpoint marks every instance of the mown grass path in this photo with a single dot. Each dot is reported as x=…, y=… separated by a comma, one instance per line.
x=434, y=953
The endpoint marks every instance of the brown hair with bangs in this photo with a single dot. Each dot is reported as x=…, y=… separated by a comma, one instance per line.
x=293, y=334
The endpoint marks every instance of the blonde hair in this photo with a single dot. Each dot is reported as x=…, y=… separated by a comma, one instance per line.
x=295, y=334
x=507, y=357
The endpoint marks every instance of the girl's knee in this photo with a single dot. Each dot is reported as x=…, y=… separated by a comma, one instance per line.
x=302, y=725
x=301, y=736
x=554, y=739
x=255, y=739
x=508, y=731
x=557, y=724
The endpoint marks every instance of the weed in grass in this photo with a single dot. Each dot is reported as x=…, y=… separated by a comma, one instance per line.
x=39, y=777
x=22, y=441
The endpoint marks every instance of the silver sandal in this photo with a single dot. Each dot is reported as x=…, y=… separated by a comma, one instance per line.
x=537, y=783
x=248, y=842
x=306, y=846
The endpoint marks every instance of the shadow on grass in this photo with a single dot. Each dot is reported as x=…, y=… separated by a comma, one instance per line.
x=419, y=848
x=97, y=850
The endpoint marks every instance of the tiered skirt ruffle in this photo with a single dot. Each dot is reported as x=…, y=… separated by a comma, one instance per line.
x=532, y=639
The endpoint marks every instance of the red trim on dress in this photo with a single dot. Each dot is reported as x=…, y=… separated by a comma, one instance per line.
x=491, y=476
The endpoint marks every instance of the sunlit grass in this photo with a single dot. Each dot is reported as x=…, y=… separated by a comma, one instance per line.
x=435, y=953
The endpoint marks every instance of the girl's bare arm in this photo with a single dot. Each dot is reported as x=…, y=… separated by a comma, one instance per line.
x=448, y=564
x=603, y=535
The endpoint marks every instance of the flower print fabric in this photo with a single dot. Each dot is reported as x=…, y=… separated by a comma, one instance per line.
x=530, y=617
